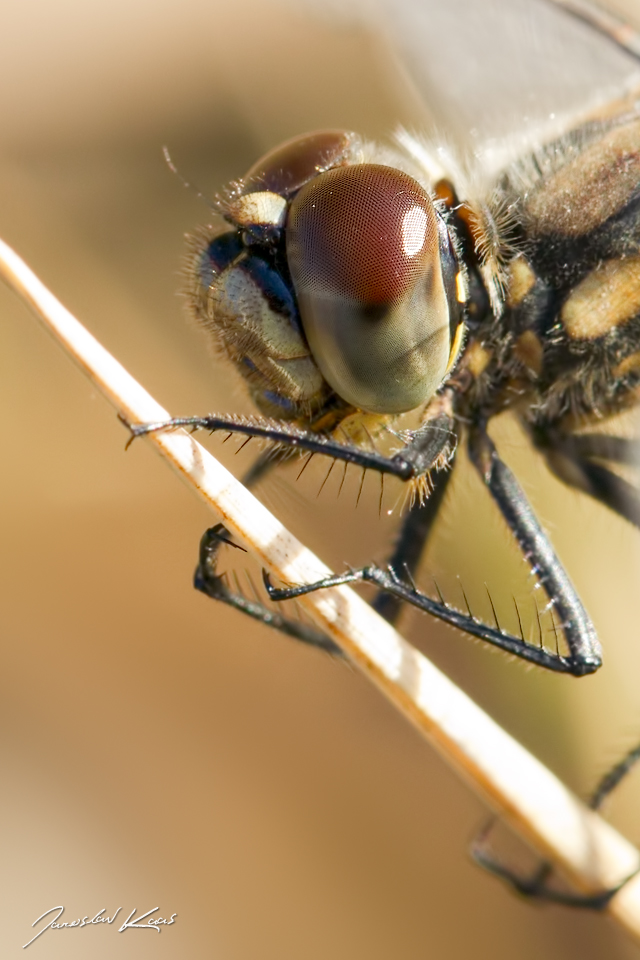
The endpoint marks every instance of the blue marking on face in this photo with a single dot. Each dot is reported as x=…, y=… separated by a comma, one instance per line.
x=275, y=289
x=217, y=256
x=288, y=406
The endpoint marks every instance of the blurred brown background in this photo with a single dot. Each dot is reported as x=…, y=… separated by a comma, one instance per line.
x=159, y=750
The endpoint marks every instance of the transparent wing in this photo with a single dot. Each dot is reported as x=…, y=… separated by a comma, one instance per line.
x=498, y=68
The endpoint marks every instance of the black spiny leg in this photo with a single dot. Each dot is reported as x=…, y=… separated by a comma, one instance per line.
x=576, y=468
x=411, y=542
x=536, y=886
x=612, y=778
x=431, y=445
x=208, y=581
x=260, y=468
x=575, y=624
x=389, y=582
x=585, y=652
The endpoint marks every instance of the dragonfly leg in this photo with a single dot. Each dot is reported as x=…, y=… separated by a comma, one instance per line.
x=388, y=581
x=584, y=649
x=575, y=624
x=214, y=585
x=537, y=885
x=430, y=446
x=411, y=542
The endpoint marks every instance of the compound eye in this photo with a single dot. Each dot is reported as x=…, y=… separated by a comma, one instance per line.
x=288, y=167
x=261, y=198
x=364, y=255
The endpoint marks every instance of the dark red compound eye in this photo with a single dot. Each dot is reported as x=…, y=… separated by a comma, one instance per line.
x=260, y=202
x=364, y=232
x=363, y=250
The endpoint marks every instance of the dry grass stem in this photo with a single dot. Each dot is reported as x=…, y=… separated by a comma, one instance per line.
x=588, y=851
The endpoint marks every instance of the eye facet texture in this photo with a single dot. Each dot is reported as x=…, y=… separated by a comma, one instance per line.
x=363, y=250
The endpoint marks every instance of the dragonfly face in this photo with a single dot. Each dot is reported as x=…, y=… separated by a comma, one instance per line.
x=356, y=282
x=353, y=283
x=339, y=283
x=349, y=284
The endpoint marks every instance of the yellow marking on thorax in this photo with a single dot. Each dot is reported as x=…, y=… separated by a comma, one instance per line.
x=326, y=422
x=529, y=351
x=476, y=358
x=521, y=280
x=630, y=364
x=360, y=427
x=591, y=187
x=457, y=345
x=605, y=299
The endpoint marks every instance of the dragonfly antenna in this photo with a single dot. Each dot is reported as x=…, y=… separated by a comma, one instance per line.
x=184, y=182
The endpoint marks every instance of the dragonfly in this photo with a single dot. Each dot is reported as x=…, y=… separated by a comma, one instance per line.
x=350, y=283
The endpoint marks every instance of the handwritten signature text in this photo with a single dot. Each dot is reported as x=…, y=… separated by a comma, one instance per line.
x=132, y=922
